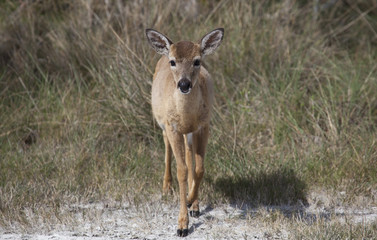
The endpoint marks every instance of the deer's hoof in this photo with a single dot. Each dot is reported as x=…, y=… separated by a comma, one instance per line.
x=194, y=214
x=182, y=232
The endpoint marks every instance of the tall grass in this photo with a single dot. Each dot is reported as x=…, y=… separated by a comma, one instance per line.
x=295, y=100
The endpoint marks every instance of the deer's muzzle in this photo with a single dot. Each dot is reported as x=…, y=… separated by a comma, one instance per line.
x=184, y=85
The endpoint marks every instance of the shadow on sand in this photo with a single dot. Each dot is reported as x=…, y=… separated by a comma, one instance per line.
x=278, y=190
x=278, y=187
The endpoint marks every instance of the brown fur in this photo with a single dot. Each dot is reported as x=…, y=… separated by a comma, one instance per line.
x=185, y=50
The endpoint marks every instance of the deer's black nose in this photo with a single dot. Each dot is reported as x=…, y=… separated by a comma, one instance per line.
x=184, y=85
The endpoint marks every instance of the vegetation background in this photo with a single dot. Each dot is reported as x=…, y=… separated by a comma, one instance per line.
x=295, y=101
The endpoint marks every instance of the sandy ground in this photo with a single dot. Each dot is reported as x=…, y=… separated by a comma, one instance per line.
x=158, y=220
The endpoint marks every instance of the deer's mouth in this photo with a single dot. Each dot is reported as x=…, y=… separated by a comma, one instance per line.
x=184, y=85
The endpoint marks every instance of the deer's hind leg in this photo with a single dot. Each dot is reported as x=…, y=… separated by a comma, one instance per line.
x=167, y=184
x=190, y=158
x=200, y=140
x=190, y=143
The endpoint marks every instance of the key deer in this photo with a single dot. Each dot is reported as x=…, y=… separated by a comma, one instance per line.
x=182, y=97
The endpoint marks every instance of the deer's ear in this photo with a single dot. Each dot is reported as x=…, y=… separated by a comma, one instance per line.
x=211, y=41
x=159, y=41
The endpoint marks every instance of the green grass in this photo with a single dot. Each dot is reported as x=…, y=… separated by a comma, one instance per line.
x=295, y=103
x=349, y=230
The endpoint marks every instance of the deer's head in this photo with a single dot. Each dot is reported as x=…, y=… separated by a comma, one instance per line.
x=185, y=57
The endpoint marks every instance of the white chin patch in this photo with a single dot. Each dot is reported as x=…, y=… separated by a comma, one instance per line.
x=188, y=91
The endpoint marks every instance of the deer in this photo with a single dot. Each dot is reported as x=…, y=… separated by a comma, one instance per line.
x=182, y=98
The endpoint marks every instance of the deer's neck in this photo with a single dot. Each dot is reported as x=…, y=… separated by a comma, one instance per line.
x=188, y=103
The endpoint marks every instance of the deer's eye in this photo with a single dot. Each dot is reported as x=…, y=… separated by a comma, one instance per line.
x=197, y=63
x=172, y=63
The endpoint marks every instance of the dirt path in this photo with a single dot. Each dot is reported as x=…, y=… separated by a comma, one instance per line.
x=157, y=220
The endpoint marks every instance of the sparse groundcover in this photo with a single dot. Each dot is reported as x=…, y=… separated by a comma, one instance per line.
x=292, y=151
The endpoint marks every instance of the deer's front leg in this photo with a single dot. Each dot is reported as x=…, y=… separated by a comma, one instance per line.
x=178, y=146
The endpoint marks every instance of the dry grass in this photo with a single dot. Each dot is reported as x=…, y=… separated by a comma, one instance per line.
x=295, y=101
